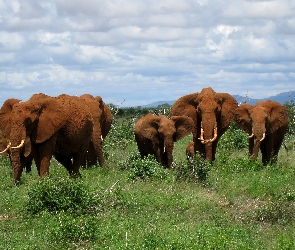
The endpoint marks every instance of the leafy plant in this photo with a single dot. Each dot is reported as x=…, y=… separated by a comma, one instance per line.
x=233, y=139
x=144, y=168
x=195, y=169
x=58, y=194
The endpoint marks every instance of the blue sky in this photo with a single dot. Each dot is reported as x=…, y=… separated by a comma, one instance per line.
x=135, y=52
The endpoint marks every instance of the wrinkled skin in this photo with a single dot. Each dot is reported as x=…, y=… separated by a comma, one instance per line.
x=102, y=121
x=156, y=135
x=5, y=125
x=266, y=123
x=50, y=126
x=212, y=114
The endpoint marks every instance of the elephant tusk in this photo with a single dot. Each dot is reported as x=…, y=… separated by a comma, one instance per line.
x=263, y=137
x=101, y=138
x=202, y=133
x=164, y=149
x=250, y=136
x=8, y=146
x=215, y=135
x=20, y=145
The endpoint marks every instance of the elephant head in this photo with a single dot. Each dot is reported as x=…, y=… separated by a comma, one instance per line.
x=212, y=113
x=266, y=124
x=156, y=135
x=31, y=122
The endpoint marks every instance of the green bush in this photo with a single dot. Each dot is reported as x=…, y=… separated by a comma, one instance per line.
x=195, y=169
x=233, y=139
x=146, y=168
x=58, y=194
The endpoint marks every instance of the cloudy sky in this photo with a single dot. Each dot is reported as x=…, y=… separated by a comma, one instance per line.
x=135, y=52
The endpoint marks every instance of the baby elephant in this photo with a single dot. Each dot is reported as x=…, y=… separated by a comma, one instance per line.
x=190, y=150
x=156, y=135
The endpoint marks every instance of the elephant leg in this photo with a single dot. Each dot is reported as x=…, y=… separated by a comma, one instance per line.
x=65, y=161
x=266, y=150
x=199, y=148
x=91, y=155
x=251, y=146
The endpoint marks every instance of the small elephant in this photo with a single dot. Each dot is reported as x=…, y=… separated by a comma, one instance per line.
x=266, y=123
x=102, y=121
x=212, y=114
x=156, y=135
x=190, y=150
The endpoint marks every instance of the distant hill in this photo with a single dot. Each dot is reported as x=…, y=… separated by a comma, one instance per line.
x=281, y=98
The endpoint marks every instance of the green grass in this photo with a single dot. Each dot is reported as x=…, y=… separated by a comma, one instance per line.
x=135, y=204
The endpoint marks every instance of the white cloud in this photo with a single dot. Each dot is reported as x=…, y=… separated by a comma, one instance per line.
x=145, y=51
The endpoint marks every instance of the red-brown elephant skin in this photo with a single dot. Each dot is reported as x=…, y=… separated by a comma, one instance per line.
x=102, y=121
x=266, y=123
x=155, y=135
x=212, y=114
x=5, y=114
x=45, y=126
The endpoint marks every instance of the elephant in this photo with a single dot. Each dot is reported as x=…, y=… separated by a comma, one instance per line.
x=266, y=123
x=190, y=150
x=102, y=121
x=156, y=134
x=212, y=114
x=5, y=113
x=45, y=126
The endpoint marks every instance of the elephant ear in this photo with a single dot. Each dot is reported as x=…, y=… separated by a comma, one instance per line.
x=52, y=117
x=243, y=119
x=149, y=127
x=228, y=106
x=279, y=117
x=184, y=126
x=186, y=106
x=107, y=119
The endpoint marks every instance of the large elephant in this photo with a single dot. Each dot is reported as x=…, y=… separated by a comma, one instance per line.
x=156, y=135
x=102, y=121
x=5, y=114
x=46, y=126
x=212, y=113
x=266, y=124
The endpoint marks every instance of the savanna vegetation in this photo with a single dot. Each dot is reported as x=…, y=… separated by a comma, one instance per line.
x=233, y=203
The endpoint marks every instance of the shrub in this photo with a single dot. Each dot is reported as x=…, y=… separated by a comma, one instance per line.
x=195, y=169
x=57, y=194
x=233, y=139
x=146, y=168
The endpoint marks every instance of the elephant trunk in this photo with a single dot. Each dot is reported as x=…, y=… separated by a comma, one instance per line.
x=17, y=139
x=258, y=135
x=211, y=138
x=167, y=158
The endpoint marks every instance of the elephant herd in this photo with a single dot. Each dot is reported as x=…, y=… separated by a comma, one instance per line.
x=72, y=129
x=207, y=115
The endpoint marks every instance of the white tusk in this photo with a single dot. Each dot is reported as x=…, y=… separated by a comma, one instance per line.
x=164, y=149
x=101, y=138
x=20, y=145
x=250, y=136
x=263, y=137
x=8, y=146
x=215, y=135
